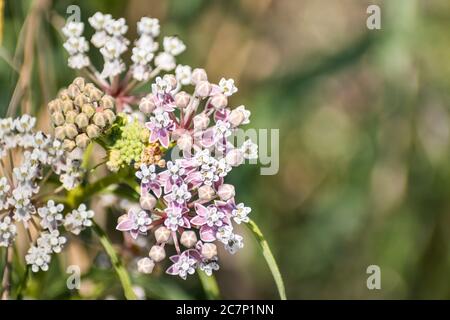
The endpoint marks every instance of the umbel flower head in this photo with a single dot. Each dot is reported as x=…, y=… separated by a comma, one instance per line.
x=80, y=113
x=27, y=157
x=187, y=202
x=148, y=56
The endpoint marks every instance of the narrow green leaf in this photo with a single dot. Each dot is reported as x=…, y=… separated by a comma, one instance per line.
x=117, y=264
x=209, y=284
x=269, y=258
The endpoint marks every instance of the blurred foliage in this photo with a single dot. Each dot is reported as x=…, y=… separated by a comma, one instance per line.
x=364, y=137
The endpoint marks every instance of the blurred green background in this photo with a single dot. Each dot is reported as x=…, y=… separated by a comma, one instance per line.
x=363, y=115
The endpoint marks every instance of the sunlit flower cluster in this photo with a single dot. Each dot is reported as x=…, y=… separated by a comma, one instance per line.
x=187, y=202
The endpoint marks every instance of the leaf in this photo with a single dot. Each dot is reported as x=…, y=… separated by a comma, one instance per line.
x=117, y=264
x=209, y=285
x=269, y=258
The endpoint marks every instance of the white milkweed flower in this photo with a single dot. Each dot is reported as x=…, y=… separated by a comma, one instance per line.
x=73, y=29
x=51, y=241
x=38, y=257
x=8, y=231
x=227, y=86
x=183, y=74
x=149, y=26
x=99, y=20
x=51, y=215
x=240, y=213
x=165, y=61
x=249, y=149
x=173, y=45
x=78, y=219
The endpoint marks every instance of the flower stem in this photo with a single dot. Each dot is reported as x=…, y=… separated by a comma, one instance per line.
x=209, y=285
x=267, y=253
x=117, y=264
x=6, y=281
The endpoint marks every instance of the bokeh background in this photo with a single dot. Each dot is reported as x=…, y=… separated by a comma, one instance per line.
x=364, y=176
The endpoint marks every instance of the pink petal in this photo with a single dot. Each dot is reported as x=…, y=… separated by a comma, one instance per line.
x=198, y=220
x=153, y=136
x=201, y=210
x=125, y=225
x=164, y=138
x=207, y=234
x=173, y=270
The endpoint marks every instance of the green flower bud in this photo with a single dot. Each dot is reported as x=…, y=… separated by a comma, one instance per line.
x=92, y=131
x=82, y=120
x=70, y=130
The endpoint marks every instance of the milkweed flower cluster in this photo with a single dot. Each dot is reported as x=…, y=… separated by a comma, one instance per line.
x=187, y=202
x=27, y=158
x=148, y=57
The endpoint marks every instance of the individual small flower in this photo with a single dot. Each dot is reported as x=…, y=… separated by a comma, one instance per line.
x=179, y=194
x=209, y=266
x=175, y=217
x=51, y=215
x=149, y=26
x=165, y=61
x=184, y=264
x=135, y=222
x=8, y=231
x=146, y=173
x=99, y=20
x=240, y=213
x=52, y=241
x=78, y=219
x=233, y=242
x=173, y=45
x=73, y=29
x=160, y=125
x=38, y=257
x=183, y=74
x=249, y=149
x=227, y=86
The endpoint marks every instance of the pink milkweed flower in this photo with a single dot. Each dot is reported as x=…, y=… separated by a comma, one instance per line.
x=184, y=263
x=135, y=223
x=160, y=126
x=175, y=217
x=209, y=219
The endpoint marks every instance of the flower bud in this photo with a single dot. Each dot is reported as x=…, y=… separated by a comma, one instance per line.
x=206, y=193
x=147, y=104
x=59, y=133
x=170, y=79
x=107, y=102
x=234, y=157
x=68, y=145
x=88, y=109
x=99, y=119
x=209, y=250
x=182, y=99
x=201, y=121
x=54, y=106
x=184, y=142
x=226, y=192
x=147, y=202
x=95, y=94
x=80, y=100
x=219, y=101
x=70, y=130
x=202, y=89
x=157, y=253
x=162, y=234
x=73, y=91
x=67, y=105
x=57, y=119
x=76, y=154
x=236, y=118
x=110, y=116
x=82, y=120
x=188, y=239
x=199, y=75
x=145, y=265
x=70, y=116
x=82, y=140
x=92, y=131
x=79, y=82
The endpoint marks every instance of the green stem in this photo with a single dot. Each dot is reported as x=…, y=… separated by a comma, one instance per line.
x=117, y=264
x=269, y=258
x=209, y=285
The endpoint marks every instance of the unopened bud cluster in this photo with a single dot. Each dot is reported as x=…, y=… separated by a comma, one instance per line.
x=80, y=113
